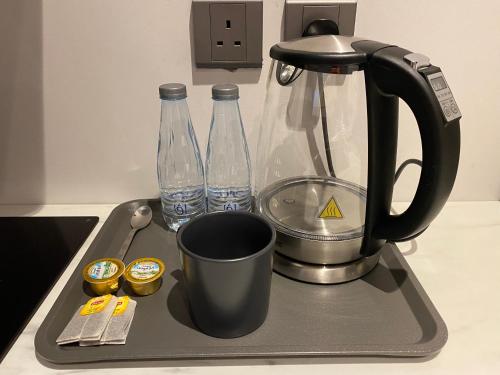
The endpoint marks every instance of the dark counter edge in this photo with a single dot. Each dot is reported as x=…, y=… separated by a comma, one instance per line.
x=49, y=290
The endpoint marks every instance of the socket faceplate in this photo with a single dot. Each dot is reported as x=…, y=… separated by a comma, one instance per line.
x=227, y=33
x=300, y=13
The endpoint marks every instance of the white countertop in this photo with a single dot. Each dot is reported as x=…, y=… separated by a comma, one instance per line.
x=456, y=261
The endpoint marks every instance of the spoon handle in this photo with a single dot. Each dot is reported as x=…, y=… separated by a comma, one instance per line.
x=126, y=244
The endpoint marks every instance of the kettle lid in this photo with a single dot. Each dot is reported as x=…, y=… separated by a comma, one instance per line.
x=324, y=53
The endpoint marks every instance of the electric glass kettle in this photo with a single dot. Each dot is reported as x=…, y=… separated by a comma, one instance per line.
x=327, y=152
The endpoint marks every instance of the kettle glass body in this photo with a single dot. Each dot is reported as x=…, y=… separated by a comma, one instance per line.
x=327, y=151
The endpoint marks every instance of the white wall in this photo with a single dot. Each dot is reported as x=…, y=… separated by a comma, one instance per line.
x=79, y=109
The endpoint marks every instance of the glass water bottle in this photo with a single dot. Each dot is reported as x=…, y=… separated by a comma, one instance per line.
x=227, y=161
x=180, y=169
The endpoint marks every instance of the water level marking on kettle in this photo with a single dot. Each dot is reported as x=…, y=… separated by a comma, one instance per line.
x=331, y=210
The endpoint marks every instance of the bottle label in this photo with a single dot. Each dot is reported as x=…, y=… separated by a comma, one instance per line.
x=181, y=208
x=228, y=199
x=231, y=206
x=183, y=203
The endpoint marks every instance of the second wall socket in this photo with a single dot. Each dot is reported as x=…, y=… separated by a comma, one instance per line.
x=300, y=13
x=227, y=33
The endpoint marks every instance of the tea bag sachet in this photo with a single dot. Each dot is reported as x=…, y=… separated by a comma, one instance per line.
x=102, y=320
x=73, y=329
x=76, y=329
x=117, y=330
x=99, y=311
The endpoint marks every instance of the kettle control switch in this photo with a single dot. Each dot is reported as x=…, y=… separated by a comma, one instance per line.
x=436, y=80
x=442, y=92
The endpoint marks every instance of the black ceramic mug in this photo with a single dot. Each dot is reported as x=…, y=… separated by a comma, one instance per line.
x=227, y=265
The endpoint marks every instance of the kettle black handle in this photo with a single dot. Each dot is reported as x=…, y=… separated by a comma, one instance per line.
x=393, y=77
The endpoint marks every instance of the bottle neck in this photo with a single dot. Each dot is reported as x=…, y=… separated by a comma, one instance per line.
x=223, y=104
x=174, y=111
x=174, y=103
x=226, y=111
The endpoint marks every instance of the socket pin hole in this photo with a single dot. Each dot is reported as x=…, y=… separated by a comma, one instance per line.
x=220, y=43
x=228, y=24
x=237, y=43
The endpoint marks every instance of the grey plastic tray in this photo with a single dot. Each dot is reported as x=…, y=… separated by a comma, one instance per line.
x=386, y=313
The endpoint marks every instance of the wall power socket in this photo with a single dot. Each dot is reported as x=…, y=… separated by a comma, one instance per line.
x=300, y=13
x=227, y=33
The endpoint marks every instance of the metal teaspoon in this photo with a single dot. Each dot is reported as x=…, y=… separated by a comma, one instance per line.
x=140, y=219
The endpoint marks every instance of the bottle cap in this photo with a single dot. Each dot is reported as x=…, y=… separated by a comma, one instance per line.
x=226, y=91
x=172, y=91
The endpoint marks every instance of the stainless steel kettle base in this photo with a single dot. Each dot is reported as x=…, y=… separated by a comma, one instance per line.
x=324, y=274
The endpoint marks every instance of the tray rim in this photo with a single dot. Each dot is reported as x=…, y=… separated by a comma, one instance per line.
x=418, y=350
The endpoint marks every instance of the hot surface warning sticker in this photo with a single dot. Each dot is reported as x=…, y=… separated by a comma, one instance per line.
x=331, y=210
